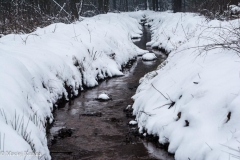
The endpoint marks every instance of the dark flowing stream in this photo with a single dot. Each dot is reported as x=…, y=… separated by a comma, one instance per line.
x=100, y=130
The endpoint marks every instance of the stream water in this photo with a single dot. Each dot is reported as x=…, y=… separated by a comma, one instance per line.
x=100, y=130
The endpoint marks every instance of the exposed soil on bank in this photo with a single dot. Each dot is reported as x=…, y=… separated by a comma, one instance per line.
x=85, y=128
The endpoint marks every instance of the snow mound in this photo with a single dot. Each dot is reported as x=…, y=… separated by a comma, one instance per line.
x=56, y=62
x=132, y=122
x=179, y=27
x=234, y=9
x=139, y=15
x=192, y=100
x=142, y=53
x=149, y=57
x=103, y=96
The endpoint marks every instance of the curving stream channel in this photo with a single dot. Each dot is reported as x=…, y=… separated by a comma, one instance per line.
x=100, y=130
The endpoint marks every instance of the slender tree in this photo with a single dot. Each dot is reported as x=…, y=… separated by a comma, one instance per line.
x=153, y=5
x=73, y=5
x=157, y=5
x=106, y=6
x=114, y=4
x=100, y=5
x=126, y=5
x=177, y=5
x=145, y=4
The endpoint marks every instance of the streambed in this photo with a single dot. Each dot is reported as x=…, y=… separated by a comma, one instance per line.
x=100, y=130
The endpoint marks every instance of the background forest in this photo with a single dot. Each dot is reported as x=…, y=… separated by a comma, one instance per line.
x=23, y=16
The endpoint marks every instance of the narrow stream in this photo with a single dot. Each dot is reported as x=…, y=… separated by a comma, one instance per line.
x=105, y=134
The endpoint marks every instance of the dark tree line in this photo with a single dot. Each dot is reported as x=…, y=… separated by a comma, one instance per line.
x=198, y=5
x=23, y=16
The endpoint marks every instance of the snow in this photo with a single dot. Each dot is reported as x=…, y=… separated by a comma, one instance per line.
x=170, y=34
x=234, y=9
x=128, y=107
x=139, y=15
x=132, y=122
x=103, y=96
x=36, y=67
x=191, y=100
x=149, y=57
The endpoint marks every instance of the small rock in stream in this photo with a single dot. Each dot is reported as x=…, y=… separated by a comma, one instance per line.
x=65, y=132
x=114, y=119
x=61, y=134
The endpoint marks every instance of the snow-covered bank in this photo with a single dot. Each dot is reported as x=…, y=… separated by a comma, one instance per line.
x=36, y=68
x=192, y=100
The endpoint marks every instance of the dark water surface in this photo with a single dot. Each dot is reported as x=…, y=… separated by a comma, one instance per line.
x=105, y=135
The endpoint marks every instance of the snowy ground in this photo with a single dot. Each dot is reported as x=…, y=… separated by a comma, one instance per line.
x=149, y=57
x=192, y=100
x=36, y=68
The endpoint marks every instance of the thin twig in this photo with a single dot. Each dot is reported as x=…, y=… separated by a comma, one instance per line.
x=208, y=145
x=159, y=91
x=162, y=106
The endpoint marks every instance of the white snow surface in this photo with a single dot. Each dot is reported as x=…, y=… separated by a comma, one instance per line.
x=129, y=106
x=187, y=100
x=36, y=67
x=234, y=9
x=132, y=122
x=103, y=96
x=149, y=57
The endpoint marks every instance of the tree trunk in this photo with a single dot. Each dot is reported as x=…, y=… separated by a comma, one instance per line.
x=100, y=6
x=184, y=5
x=126, y=5
x=106, y=6
x=177, y=6
x=114, y=5
x=145, y=4
x=153, y=5
x=156, y=5
x=73, y=7
x=80, y=8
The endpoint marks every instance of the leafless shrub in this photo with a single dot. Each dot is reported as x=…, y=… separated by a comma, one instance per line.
x=224, y=37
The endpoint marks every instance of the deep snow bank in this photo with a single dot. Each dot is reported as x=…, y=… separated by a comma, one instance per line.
x=192, y=100
x=36, y=68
